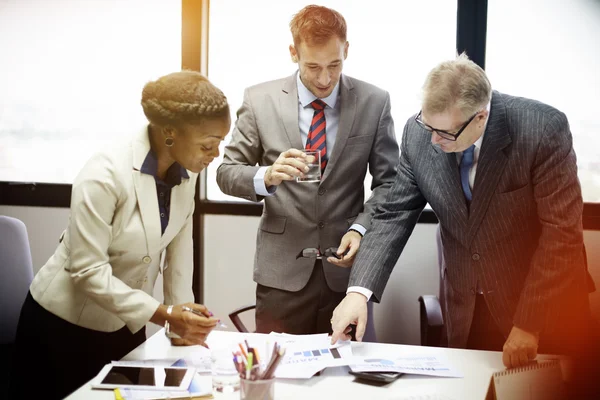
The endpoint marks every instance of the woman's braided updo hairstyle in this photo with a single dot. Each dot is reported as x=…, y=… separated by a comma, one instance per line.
x=183, y=97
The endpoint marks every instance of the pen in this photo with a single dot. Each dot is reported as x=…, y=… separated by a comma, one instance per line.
x=118, y=395
x=270, y=371
x=249, y=365
x=243, y=351
x=255, y=352
x=186, y=308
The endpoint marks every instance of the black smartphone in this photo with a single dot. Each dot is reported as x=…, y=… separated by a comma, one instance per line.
x=384, y=377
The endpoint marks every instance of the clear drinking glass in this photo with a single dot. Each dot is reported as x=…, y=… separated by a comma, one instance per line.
x=313, y=161
x=225, y=377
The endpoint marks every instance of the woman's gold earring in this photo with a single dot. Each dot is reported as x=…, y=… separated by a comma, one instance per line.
x=169, y=141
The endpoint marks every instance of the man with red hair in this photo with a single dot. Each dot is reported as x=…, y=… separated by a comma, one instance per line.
x=349, y=122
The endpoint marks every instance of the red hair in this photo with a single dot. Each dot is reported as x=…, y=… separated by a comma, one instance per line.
x=317, y=24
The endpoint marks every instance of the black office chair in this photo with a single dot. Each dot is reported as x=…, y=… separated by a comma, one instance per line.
x=241, y=327
x=235, y=317
x=431, y=321
x=430, y=308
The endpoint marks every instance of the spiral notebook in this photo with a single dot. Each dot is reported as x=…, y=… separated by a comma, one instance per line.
x=537, y=381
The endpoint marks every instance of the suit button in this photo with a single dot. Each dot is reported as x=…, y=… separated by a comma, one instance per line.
x=475, y=257
x=321, y=192
x=147, y=260
x=321, y=225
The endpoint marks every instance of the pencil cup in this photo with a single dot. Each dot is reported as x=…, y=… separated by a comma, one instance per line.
x=257, y=390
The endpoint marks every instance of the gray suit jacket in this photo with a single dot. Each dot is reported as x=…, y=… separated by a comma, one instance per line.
x=521, y=238
x=302, y=215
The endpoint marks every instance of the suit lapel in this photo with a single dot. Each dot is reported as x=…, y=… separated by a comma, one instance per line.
x=145, y=190
x=348, y=102
x=288, y=109
x=448, y=181
x=491, y=164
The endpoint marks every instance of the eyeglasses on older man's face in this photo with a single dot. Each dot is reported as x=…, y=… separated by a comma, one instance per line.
x=443, y=133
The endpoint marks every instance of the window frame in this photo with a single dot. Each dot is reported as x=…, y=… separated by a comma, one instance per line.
x=470, y=37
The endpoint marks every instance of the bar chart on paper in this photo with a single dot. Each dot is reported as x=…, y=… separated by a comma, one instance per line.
x=327, y=353
x=304, y=363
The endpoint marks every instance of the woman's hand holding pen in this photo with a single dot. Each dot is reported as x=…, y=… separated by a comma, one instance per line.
x=192, y=322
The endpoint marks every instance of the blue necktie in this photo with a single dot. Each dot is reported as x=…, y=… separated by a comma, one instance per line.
x=316, y=134
x=465, y=166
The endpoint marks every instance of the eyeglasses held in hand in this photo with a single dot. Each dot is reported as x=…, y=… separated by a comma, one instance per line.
x=313, y=252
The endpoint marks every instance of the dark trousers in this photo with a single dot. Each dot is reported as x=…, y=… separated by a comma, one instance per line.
x=484, y=333
x=306, y=311
x=54, y=357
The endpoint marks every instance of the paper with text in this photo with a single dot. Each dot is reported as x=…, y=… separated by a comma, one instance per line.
x=433, y=365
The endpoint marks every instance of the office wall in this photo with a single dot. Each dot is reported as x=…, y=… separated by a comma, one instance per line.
x=229, y=249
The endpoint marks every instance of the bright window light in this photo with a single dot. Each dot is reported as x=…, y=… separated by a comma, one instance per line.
x=393, y=44
x=71, y=78
x=547, y=50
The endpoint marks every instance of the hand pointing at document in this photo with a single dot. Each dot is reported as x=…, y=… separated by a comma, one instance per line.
x=352, y=310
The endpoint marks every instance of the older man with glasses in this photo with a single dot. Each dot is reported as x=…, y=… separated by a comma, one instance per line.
x=500, y=173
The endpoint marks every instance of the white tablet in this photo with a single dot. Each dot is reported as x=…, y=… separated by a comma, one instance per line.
x=143, y=378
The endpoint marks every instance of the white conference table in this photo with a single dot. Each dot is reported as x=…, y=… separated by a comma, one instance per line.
x=335, y=383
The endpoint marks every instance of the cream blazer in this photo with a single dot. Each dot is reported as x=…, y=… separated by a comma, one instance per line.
x=102, y=274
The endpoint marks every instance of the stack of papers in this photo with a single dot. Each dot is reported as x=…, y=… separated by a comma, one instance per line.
x=308, y=354
x=433, y=365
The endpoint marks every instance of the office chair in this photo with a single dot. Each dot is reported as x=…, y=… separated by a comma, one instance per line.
x=430, y=307
x=235, y=317
x=239, y=325
x=16, y=274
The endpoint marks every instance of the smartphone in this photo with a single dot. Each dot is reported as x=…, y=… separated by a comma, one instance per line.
x=384, y=377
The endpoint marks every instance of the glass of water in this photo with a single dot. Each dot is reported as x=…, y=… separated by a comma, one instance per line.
x=313, y=161
x=225, y=377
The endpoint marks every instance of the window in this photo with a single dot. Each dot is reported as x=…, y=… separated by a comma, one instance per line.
x=547, y=50
x=71, y=78
x=391, y=46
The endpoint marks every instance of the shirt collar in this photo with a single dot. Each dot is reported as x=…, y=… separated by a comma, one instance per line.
x=306, y=97
x=480, y=140
x=175, y=173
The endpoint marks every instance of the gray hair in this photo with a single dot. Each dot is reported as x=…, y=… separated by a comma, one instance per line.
x=458, y=83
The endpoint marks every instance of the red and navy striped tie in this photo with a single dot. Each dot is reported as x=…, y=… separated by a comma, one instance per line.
x=316, y=134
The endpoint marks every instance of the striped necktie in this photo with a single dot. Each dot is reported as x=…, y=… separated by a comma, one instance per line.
x=316, y=134
x=465, y=166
